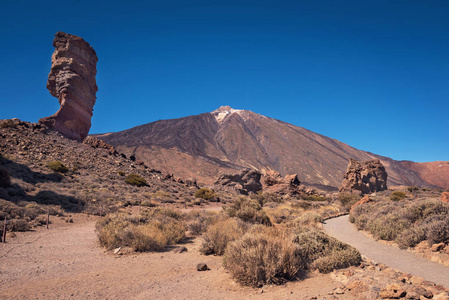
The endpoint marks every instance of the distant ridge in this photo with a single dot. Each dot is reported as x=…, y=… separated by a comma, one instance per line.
x=230, y=139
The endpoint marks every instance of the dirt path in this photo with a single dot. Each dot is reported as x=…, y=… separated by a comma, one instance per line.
x=402, y=260
x=66, y=262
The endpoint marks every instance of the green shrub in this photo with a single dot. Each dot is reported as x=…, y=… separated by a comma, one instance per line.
x=206, y=194
x=398, y=195
x=255, y=260
x=57, y=166
x=218, y=235
x=5, y=177
x=135, y=179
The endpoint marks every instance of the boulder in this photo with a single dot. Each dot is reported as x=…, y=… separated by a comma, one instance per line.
x=392, y=291
x=364, y=176
x=72, y=81
x=272, y=178
x=245, y=181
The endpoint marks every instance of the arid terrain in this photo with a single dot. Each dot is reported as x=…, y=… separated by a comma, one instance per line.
x=228, y=139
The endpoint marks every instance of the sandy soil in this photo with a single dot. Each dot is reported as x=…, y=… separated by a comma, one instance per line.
x=67, y=262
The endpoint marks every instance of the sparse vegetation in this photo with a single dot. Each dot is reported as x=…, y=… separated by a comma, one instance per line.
x=206, y=194
x=135, y=179
x=348, y=199
x=218, y=235
x=406, y=223
x=153, y=230
x=397, y=195
x=57, y=166
x=256, y=259
x=248, y=210
x=121, y=173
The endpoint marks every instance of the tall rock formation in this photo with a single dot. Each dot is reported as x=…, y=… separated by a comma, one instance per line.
x=72, y=81
x=364, y=176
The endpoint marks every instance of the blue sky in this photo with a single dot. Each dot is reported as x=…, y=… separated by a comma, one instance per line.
x=372, y=74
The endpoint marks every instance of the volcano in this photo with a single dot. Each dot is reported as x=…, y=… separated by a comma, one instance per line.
x=227, y=140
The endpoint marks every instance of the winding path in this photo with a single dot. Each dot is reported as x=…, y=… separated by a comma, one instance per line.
x=402, y=260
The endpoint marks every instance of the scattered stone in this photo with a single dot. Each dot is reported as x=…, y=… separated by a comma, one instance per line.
x=97, y=143
x=392, y=291
x=364, y=176
x=416, y=292
x=72, y=81
x=117, y=250
x=202, y=267
x=180, y=249
x=437, y=247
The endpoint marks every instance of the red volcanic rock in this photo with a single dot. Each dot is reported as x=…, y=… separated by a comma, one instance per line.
x=272, y=178
x=72, y=81
x=364, y=176
x=445, y=197
x=97, y=143
x=364, y=200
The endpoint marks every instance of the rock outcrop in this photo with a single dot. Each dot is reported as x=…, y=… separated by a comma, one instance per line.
x=364, y=176
x=245, y=181
x=288, y=185
x=97, y=143
x=445, y=197
x=72, y=81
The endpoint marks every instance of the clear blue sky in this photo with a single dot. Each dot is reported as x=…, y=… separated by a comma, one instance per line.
x=372, y=74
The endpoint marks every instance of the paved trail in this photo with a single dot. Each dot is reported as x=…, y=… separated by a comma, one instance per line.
x=402, y=260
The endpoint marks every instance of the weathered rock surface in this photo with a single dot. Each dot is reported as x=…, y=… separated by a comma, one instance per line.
x=364, y=200
x=72, y=81
x=445, y=197
x=245, y=181
x=97, y=143
x=364, y=176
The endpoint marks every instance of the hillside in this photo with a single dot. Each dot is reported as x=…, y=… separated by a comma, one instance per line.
x=227, y=140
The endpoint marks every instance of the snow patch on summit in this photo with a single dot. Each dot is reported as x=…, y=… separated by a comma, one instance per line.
x=224, y=111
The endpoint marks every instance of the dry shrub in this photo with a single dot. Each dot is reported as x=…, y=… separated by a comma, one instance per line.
x=337, y=260
x=308, y=219
x=57, y=166
x=150, y=231
x=135, y=179
x=397, y=195
x=248, y=210
x=206, y=194
x=218, y=235
x=19, y=225
x=318, y=250
x=348, y=199
x=407, y=224
x=257, y=259
x=387, y=227
x=199, y=221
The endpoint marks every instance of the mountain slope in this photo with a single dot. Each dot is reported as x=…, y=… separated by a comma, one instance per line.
x=227, y=139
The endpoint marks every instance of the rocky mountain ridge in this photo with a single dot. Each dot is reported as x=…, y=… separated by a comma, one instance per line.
x=227, y=140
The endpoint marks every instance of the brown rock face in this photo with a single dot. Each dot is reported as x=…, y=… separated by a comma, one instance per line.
x=72, y=81
x=364, y=176
x=97, y=143
x=364, y=200
x=245, y=181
